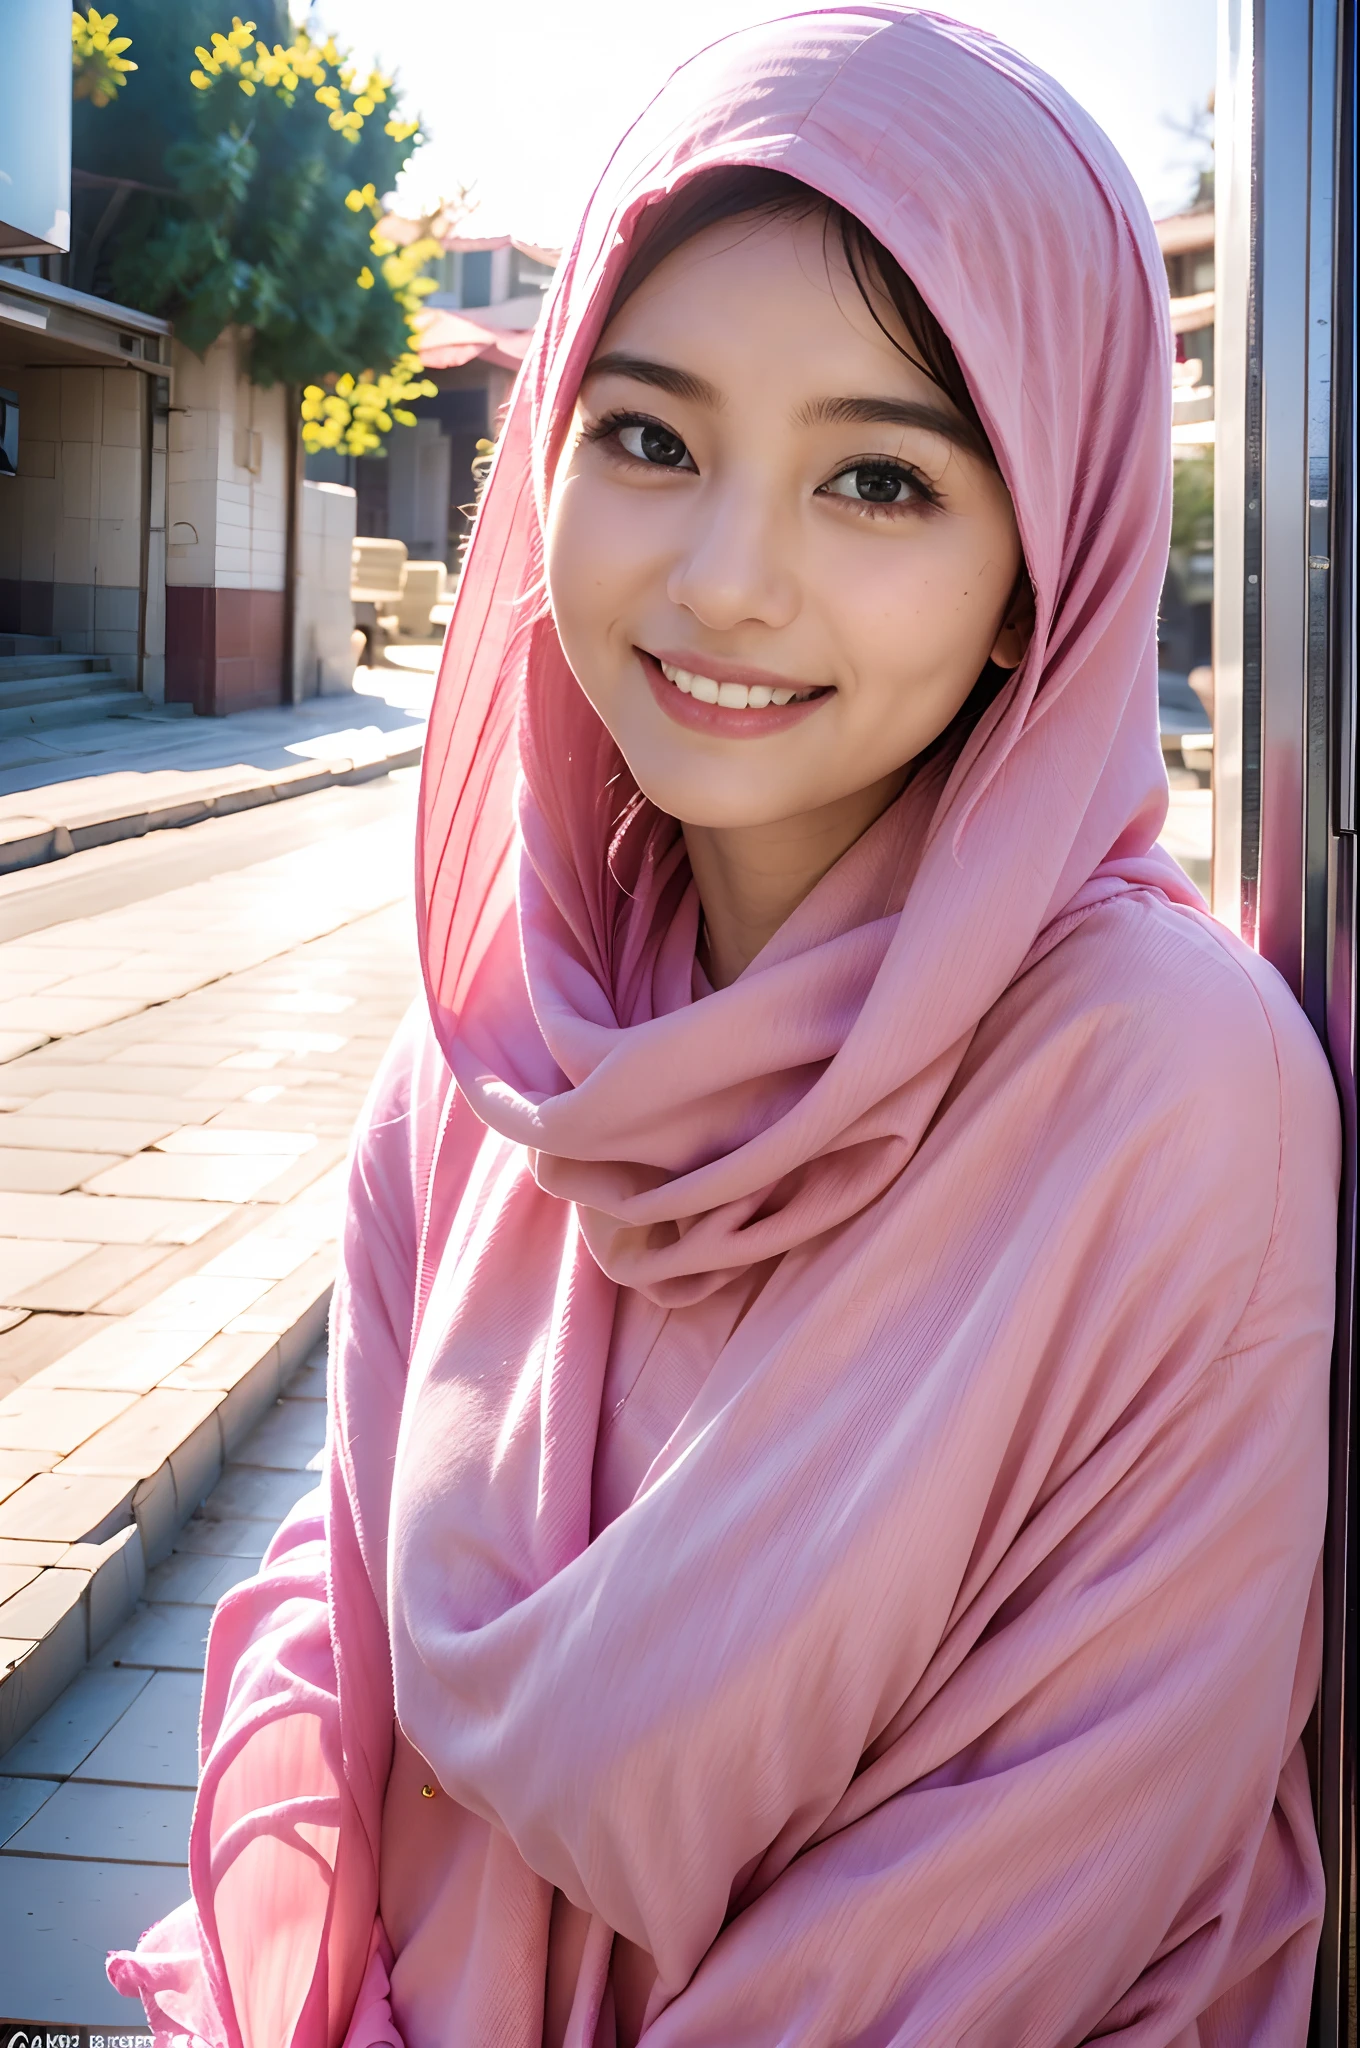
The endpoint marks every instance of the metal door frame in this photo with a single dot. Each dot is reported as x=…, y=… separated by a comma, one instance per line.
x=1285, y=868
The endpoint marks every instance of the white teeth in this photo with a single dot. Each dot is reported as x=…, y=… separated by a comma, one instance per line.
x=732, y=696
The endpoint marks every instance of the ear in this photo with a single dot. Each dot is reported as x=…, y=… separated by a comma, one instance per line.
x=1017, y=626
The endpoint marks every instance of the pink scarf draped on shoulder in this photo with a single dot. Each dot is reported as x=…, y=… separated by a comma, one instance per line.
x=938, y=1674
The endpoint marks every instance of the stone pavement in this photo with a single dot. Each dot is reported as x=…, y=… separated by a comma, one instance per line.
x=95, y=1800
x=178, y=1079
x=72, y=787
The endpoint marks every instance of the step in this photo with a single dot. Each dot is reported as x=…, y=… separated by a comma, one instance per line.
x=47, y=689
x=19, y=667
x=116, y=702
x=28, y=643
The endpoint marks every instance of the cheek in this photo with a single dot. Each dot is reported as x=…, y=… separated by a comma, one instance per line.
x=595, y=562
x=924, y=603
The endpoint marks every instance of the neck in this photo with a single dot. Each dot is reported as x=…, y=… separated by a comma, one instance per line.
x=751, y=878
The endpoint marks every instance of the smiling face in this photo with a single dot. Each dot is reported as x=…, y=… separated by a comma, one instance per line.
x=776, y=564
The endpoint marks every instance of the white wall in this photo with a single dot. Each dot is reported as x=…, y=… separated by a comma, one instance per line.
x=227, y=477
x=323, y=657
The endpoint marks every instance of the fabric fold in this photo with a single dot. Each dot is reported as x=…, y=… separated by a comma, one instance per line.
x=820, y=1530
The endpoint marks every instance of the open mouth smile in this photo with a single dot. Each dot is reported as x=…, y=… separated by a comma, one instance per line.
x=729, y=707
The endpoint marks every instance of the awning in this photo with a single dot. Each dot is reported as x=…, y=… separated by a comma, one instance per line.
x=446, y=341
x=43, y=323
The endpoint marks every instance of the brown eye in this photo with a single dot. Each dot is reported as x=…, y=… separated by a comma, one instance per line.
x=647, y=441
x=872, y=484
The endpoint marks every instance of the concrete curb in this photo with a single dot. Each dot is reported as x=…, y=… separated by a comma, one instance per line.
x=85, y=1529
x=37, y=835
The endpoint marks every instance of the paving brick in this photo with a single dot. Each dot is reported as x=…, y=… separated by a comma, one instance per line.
x=41, y=1605
x=289, y=1439
x=61, y=1014
x=71, y=1913
x=117, y=1135
x=307, y=1384
x=22, y=1550
x=101, y=1822
x=20, y=1799
x=110, y=1098
x=60, y=1741
x=259, y=1494
x=25, y=1262
x=56, y=1419
x=63, y=1507
x=24, y=1171
x=237, y=1536
x=280, y=1309
x=181, y=1262
x=13, y=1577
x=144, y=1435
x=169, y=1638
x=95, y=1219
x=196, y=1580
x=268, y=1258
x=156, y=1741
x=123, y=1358
x=39, y=1342
x=224, y=1361
x=202, y=1302
x=18, y=1467
x=166, y=1053
x=305, y=1172
x=40, y=1672
x=168, y=1177
x=14, y=1044
x=227, y=1140
x=91, y=1279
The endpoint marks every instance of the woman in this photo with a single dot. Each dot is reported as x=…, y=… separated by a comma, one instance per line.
x=820, y=1534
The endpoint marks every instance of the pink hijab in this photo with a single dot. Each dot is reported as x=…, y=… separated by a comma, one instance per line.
x=939, y=1673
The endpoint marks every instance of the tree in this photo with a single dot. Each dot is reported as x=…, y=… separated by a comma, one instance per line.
x=249, y=163
x=97, y=57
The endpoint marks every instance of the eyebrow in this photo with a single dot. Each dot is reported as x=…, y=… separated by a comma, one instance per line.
x=819, y=412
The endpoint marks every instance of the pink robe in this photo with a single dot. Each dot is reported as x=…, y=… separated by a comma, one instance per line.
x=827, y=1478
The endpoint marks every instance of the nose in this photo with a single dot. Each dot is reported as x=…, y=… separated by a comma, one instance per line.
x=736, y=561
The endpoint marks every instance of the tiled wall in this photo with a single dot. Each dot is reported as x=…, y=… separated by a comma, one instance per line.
x=71, y=520
x=227, y=483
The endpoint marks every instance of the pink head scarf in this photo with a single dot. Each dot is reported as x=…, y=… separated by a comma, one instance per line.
x=800, y=1093
x=941, y=1678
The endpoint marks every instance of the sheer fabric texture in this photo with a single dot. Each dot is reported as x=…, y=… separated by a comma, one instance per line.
x=826, y=1478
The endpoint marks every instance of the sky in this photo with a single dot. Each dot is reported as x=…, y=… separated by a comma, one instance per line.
x=524, y=102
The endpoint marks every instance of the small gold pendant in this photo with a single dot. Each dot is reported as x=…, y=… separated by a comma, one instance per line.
x=427, y=1791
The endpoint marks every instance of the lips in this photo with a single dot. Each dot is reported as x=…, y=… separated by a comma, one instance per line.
x=746, y=705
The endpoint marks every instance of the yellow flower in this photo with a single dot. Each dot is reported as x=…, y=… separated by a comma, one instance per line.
x=365, y=279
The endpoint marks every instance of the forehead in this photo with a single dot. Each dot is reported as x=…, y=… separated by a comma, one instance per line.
x=771, y=302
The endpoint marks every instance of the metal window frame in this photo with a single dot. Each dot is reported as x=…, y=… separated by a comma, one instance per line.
x=1285, y=868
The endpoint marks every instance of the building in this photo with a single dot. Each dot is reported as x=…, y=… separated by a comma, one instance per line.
x=475, y=331
x=1187, y=244
x=83, y=394
x=156, y=542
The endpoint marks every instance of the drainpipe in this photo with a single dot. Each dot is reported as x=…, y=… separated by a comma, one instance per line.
x=292, y=671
